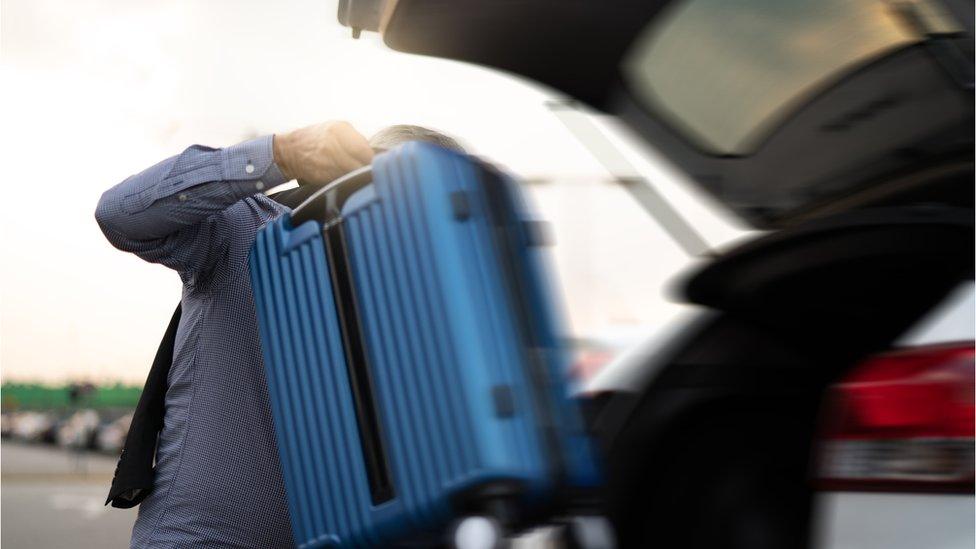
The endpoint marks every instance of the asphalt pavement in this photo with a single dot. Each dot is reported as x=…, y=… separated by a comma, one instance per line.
x=54, y=498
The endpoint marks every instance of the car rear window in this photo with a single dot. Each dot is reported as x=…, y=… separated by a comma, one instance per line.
x=724, y=73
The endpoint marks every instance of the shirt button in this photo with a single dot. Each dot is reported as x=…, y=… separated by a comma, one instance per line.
x=259, y=185
x=182, y=197
x=249, y=168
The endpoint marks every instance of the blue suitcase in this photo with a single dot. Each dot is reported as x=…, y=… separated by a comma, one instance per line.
x=412, y=357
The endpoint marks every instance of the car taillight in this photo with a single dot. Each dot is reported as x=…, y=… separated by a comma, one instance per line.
x=902, y=421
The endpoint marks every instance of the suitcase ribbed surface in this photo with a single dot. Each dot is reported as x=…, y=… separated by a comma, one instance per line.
x=311, y=401
x=447, y=367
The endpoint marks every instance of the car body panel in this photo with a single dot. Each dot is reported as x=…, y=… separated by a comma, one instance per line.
x=854, y=520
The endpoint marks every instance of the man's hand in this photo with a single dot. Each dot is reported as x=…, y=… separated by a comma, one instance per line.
x=321, y=153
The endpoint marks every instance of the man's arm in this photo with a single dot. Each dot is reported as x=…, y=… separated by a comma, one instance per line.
x=161, y=213
x=168, y=213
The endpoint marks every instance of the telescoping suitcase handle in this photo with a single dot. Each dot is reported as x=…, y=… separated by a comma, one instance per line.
x=331, y=197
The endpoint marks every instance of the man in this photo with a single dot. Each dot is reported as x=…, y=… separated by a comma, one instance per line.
x=217, y=479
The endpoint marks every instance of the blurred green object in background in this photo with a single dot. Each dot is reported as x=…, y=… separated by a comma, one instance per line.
x=35, y=396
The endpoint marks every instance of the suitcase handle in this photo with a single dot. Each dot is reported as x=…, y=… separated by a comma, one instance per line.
x=324, y=206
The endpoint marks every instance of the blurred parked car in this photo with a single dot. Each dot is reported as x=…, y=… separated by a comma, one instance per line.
x=110, y=435
x=31, y=426
x=102, y=430
x=77, y=430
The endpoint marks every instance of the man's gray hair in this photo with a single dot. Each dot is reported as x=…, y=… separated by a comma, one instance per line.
x=391, y=136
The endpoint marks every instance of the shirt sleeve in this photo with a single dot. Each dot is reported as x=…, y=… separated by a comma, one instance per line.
x=170, y=213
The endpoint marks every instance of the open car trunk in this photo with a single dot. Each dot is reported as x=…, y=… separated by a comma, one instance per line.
x=782, y=111
x=847, y=125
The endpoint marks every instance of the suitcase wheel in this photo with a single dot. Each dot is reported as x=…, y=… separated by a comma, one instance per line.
x=477, y=532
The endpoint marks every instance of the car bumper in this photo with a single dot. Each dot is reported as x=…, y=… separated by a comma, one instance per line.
x=852, y=520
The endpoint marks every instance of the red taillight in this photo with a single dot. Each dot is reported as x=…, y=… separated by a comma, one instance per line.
x=902, y=421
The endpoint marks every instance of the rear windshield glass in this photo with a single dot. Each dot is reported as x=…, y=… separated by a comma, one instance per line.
x=725, y=72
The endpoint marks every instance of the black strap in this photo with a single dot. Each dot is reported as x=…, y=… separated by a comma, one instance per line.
x=134, y=473
x=133, y=479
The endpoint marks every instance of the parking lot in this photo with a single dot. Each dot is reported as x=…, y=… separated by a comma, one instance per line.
x=53, y=497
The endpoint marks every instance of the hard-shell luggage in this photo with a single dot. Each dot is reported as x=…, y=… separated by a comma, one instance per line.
x=412, y=354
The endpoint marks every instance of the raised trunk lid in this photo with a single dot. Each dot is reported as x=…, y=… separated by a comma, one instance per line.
x=782, y=110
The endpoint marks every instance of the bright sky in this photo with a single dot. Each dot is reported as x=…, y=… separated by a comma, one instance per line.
x=95, y=90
